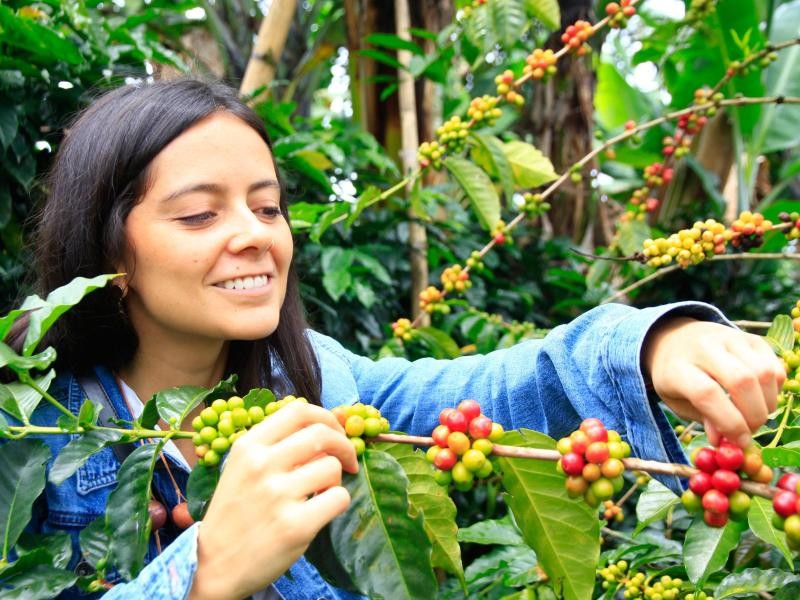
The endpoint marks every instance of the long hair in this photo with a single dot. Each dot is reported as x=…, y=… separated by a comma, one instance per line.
x=100, y=173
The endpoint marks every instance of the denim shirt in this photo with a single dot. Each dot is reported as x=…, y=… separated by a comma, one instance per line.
x=587, y=368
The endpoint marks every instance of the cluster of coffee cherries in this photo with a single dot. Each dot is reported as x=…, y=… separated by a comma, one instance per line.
x=794, y=219
x=619, y=13
x=475, y=261
x=744, y=68
x=463, y=442
x=715, y=487
x=657, y=175
x=533, y=205
x=403, y=329
x=591, y=457
x=612, y=511
x=678, y=145
x=700, y=9
x=431, y=301
x=466, y=12
x=452, y=134
x=687, y=247
x=484, y=110
x=500, y=233
x=618, y=575
x=430, y=154
x=455, y=278
x=541, y=63
x=218, y=426
x=575, y=36
x=702, y=96
x=359, y=421
x=748, y=230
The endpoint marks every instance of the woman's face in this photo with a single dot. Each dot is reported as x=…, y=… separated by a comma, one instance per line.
x=209, y=248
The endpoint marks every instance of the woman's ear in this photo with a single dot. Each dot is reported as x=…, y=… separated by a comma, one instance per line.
x=121, y=282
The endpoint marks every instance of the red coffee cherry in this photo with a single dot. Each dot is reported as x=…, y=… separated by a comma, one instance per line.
x=726, y=481
x=729, y=457
x=572, y=463
x=445, y=459
x=580, y=441
x=789, y=481
x=181, y=516
x=458, y=442
x=785, y=503
x=440, y=435
x=597, y=452
x=597, y=434
x=706, y=460
x=158, y=514
x=700, y=483
x=469, y=408
x=457, y=421
x=444, y=414
x=591, y=422
x=713, y=519
x=480, y=427
x=715, y=502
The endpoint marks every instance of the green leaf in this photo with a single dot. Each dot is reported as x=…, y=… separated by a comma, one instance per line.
x=753, y=580
x=478, y=188
x=706, y=549
x=615, y=101
x=790, y=592
x=42, y=43
x=199, y=489
x=488, y=153
x=78, y=451
x=89, y=412
x=95, y=541
x=19, y=364
x=8, y=320
x=781, y=334
x=22, y=473
x=57, y=548
x=778, y=126
x=45, y=312
x=8, y=125
x=337, y=277
x=563, y=532
x=431, y=499
x=20, y=400
x=507, y=18
x=149, y=417
x=759, y=517
x=394, y=42
x=127, y=519
x=547, y=11
x=382, y=57
x=375, y=267
x=321, y=554
x=40, y=581
x=367, y=198
x=531, y=168
x=632, y=235
x=781, y=457
x=175, y=403
x=258, y=397
x=654, y=504
x=438, y=342
x=502, y=532
x=384, y=550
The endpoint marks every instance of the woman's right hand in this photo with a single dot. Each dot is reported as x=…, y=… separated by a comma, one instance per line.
x=280, y=485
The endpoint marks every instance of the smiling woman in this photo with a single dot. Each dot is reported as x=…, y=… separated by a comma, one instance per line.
x=174, y=186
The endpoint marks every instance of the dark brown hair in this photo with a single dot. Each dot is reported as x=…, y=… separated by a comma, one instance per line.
x=100, y=174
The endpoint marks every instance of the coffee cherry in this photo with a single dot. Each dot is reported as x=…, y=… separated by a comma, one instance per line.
x=572, y=463
x=181, y=517
x=461, y=474
x=354, y=426
x=431, y=452
x=706, y=460
x=157, y=513
x=483, y=445
x=480, y=427
x=691, y=501
x=729, y=457
x=789, y=482
x=486, y=470
x=440, y=435
x=612, y=468
x=576, y=486
x=785, y=503
x=715, y=519
x=580, y=442
x=458, y=442
x=457, y=421
x=700, y=483
x=597, y=434
x=497, y=432
x=725, y=481
x=791, y=526
x=474, y=460
x=359, y=445
x=739, y=504
x=597, y=452
x=445, y=459
x=715, y=501
x=602, y=489
x=591, y=472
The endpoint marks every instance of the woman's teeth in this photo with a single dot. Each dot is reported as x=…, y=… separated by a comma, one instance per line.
x=245, y=283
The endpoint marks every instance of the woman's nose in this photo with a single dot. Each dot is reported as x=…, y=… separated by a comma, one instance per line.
x=250, y=232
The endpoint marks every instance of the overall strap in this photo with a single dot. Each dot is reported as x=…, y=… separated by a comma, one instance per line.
x=97, y=394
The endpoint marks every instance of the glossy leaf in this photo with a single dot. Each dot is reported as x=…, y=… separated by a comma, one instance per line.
x=336, y=267
x=22, y=473
x=492, y=531
x=759, y=517
x=488, y=152
x=95, y=541
x=78, y=451
x=706, y=549
x=199, y=488
x=258, y=397
x=19, y=364
x=563, y=532
x=127, y=519
x=507, y=18
x=56, y=546
x=438, y=342
x=654, y=503
x=781, y=333
x=781, y=457
x=432, y=500
x=384, y=550
x=40, y=581
x=548, y=12
x=754, y=580
x=394, y=42
x=175, y=403
x=615, y=100
x=478, y=188
x=790, y=592
x=531, y=168
x=43, y=313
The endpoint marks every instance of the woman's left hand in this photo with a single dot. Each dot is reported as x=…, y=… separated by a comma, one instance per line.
x=712, y=373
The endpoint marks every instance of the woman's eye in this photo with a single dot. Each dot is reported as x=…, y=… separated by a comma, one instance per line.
x=197, y=219
x=270, y=212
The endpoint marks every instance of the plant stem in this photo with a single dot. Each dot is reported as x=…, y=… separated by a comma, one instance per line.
x=29, y=381
x=135, y=434
x=631, y=464
x=779, y=432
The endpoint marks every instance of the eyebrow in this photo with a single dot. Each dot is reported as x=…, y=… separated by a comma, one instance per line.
x=213, y=188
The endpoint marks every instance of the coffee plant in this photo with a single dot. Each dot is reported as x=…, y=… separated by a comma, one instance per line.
x=576, y=517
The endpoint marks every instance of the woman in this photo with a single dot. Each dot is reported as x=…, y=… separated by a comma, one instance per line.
x=174, y=185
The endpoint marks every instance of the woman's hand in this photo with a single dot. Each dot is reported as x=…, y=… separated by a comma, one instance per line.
x=281, y=484
x=708, y=372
